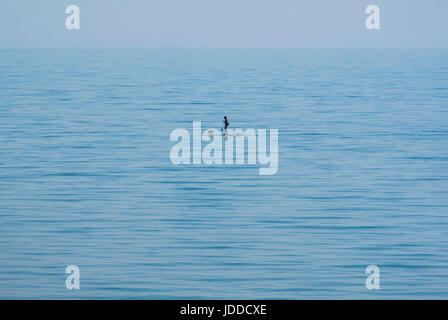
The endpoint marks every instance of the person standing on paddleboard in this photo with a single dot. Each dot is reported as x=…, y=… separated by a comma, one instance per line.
x=226, y=123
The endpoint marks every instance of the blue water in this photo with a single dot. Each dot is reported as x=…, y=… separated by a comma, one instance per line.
x=86, y=178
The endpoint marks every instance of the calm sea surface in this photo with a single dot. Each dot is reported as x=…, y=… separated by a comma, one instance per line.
x=86, y=177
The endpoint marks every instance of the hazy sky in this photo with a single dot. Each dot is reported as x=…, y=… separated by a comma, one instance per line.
x=223, y=23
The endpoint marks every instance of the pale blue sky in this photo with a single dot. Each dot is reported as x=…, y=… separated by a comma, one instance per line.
x=223, y=23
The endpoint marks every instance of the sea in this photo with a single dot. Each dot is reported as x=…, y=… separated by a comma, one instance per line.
x=86, y=177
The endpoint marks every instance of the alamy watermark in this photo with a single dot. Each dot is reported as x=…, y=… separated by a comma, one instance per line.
x=225, y=149
x=72, y=21
x=373, y=280
x=373, y=19
x=73, y=280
